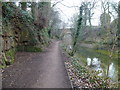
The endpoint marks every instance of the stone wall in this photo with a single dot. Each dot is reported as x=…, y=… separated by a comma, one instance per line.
x=0, y=44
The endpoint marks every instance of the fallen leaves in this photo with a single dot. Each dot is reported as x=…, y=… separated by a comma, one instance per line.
x=82, y=78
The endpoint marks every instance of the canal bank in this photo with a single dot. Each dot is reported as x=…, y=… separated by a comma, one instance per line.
x=91, y=68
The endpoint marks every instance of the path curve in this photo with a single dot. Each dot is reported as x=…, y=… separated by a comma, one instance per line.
x=38, y=70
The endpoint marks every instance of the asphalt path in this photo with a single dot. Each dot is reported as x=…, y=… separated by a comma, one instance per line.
x=37, y=70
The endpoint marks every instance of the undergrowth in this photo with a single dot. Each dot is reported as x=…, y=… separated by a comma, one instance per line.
x=91, y=77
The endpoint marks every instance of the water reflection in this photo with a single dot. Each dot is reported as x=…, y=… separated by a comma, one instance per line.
x=95, y=64
x=95, y=61
x=88, y=61
x=101, y=62
x=111, y=72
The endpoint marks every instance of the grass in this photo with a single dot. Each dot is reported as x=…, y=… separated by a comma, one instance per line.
x=108, y=53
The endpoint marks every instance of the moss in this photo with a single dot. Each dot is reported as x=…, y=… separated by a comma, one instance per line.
x=8, y=58
x=10, y=55
x=29, y=49
x=33, y=49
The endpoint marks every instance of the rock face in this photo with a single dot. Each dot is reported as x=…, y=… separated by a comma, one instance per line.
x=13, y=32
x=18, y=33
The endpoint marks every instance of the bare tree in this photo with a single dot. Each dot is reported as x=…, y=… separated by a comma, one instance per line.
x=119, y=15
x=88, y=11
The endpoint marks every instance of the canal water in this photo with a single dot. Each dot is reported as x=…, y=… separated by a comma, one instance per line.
x=98, y=61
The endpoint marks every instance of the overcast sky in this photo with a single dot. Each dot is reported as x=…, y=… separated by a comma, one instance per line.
x=66, y=13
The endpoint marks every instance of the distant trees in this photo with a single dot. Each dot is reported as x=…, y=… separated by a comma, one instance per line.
x=108, y=28
x=88, y=11
x=105, y=33
x=54, y=24
x=45, y=16
x=105, y=19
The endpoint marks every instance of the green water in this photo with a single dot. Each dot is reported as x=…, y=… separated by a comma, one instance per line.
x=100, y=60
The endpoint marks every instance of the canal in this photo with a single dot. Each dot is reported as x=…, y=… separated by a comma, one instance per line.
x=99, y=60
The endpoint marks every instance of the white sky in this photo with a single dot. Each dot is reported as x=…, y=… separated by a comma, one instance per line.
x=67, y=13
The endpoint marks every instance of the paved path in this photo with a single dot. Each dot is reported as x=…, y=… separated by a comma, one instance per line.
x=38, y=70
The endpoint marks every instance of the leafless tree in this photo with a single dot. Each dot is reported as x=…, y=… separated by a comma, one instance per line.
x=88, y=11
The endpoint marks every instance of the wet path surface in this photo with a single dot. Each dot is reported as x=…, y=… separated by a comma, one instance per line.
x=38, y=70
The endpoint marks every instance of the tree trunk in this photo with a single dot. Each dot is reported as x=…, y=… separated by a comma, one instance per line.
x=33, y=7
x=119, y=18
x=90, y=18
x=77, y=32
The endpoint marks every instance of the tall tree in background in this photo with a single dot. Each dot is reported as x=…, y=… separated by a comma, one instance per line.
x=88, y=11
x=105, y=20
x=119, y=16
x=105, y=17
x=91, y=6
x=85, y=13
x=119, y=26
x=119, y=36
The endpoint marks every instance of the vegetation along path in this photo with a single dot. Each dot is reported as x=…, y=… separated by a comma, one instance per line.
x=38, y=70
